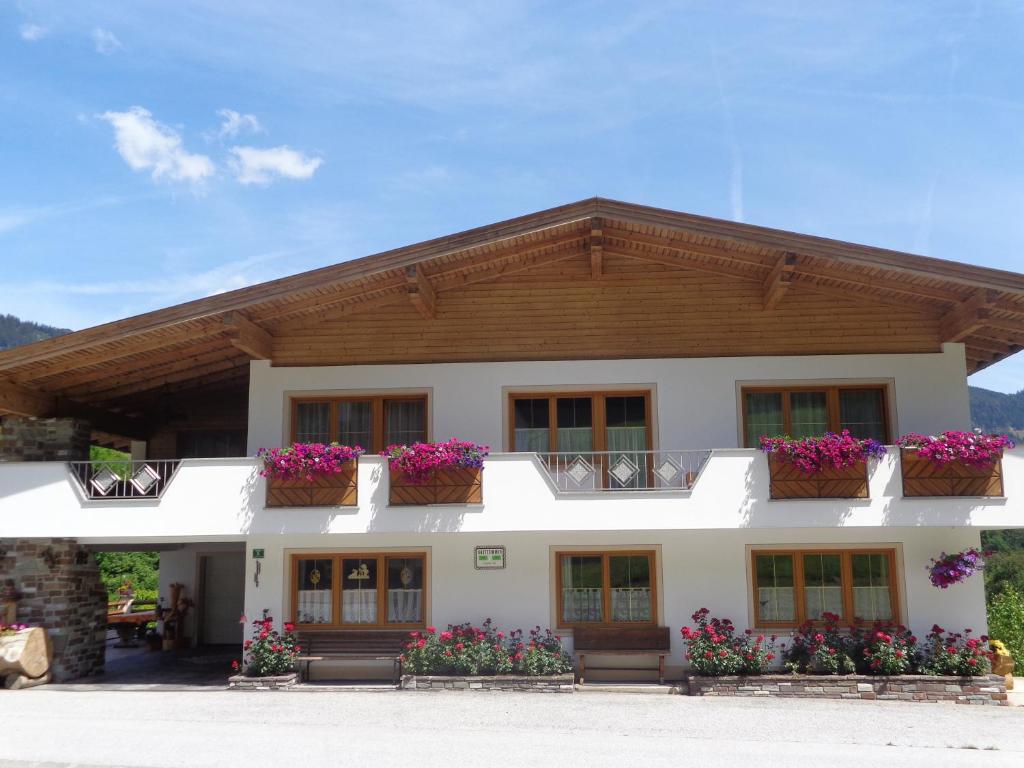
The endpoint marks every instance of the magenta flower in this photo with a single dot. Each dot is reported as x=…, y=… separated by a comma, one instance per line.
x=813, y=454
x=418, y=462
x=304, y=461
x=971, y=448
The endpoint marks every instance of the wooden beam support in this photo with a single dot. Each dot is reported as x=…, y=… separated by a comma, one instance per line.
x=967, y=318
x=248, y=337
x=420, y=291
x=23, y=401
x=778, y=281
x=596, y=248
x=681, y=263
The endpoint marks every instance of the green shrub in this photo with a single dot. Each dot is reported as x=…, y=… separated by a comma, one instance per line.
x=1006, y=621
x=468, y=650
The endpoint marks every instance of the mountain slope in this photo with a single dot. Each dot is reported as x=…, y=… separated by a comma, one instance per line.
x=998, y=412
x=15, y=332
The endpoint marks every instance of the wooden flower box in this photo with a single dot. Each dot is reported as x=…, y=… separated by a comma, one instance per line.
x=452, y=485
x=339, y=489
x=788, y=482
x=922, y=477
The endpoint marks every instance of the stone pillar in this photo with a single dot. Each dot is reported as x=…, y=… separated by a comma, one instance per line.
x=25, y=438
x=59, y=588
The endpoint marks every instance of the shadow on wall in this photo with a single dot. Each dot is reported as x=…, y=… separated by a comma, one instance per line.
x=760, y=511
x=385, y=518
x=249, y=500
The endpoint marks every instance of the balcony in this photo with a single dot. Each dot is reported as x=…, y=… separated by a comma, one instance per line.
x=721, y=489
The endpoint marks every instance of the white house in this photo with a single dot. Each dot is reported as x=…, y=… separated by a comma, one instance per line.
x=621, y=363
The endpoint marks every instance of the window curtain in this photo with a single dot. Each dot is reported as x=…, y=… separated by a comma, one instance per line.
x=314, y=606
x=764, y=416
x=406, y=422
x=405, y=606
x=572, y=439
x=313, y=423
x=581, y=590
x=861, y=411
x=872, y=600
x=355, y=424
x=631, y=604
x=537, y=440
x=359, y=606
x=808, y=414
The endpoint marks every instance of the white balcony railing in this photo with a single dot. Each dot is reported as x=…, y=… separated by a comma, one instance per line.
x=576, y=472
x=123, y=479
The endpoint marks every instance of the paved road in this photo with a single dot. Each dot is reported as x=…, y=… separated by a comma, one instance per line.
x=222, y=728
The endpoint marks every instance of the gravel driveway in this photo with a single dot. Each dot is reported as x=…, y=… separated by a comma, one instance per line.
x=222, y=728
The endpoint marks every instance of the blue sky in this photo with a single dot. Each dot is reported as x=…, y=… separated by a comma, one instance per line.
x=158, y=152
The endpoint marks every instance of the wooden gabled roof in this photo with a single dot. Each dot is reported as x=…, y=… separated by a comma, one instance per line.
x=208, y=342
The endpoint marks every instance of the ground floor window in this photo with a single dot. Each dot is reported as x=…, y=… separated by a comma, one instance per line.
x=359, y=589
x=793, y=586
x=606, y=588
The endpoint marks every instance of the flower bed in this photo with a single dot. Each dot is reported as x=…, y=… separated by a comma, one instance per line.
x=952, y=464
x=832, y=466
x=436, y=473
x=269, y=660
x=311, y=475
x=979, y=690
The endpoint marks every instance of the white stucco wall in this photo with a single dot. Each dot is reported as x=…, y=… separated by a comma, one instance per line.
x=181, y=566
x=695, y=400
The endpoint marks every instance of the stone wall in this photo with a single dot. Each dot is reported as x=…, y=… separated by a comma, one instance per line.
x=554, y=684
x=961, y=690
x=58, y=587
x=271, y=683
x=25, y=438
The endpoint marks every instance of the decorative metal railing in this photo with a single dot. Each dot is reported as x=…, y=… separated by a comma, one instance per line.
x=124, y=479
x=586, y=472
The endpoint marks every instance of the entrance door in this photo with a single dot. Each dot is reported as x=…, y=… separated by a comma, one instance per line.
x=222, y=595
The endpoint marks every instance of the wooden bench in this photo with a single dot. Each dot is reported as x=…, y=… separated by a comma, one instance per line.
x=352, y=645
x=621, y=641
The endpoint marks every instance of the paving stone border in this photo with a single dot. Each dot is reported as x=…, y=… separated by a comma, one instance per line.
x=272, y=683
x=555, y=684
x=989, y=689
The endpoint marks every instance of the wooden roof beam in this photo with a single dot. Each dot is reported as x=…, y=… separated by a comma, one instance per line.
x=421, y=292
x=778, y=281
x=681, y=263
x=967, y=318
x=248, y=337
x=596, y=248
x=24, y=401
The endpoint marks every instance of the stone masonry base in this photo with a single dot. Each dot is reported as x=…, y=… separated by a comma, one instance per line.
x=554, y=684
x=960, y=690
x=273, y=683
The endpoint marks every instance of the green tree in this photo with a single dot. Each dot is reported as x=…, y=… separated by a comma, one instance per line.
x=140, y=568
x=1006, y=621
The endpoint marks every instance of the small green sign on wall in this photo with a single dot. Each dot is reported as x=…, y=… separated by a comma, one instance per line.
x=488, y=558
x=257, y=554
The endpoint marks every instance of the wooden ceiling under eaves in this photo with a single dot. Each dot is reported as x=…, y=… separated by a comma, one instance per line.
x=594, y=279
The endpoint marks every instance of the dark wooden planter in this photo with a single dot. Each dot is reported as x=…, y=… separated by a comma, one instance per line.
x=335, y=490
x=788, y=482
x=455, y=485
x=922, y=477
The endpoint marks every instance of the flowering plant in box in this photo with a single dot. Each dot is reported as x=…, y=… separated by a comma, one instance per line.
x=956, y=653
x=11, y=629
x=714, y=649
x=418, y=461
x=831, y=451
x=304, y=461
x=269, y=652
x=466, y=649
x=971, y=448
x=820, y=647
x=952, y=569
x=883, y=650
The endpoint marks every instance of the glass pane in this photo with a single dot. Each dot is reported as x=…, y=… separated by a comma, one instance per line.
x=315, y=605
x=575, y=424
x=808, y=414
x=872, y=598
x=862, y=411
x=775, y=593
x=626, y=420
x=359, y=590
x=631, y=587
x=823, y=585
x=532, y=424
x=405, y=422
x=764, y=416
x=581, y=589
x=313, y=423
x=405, y=590
x=355, y=424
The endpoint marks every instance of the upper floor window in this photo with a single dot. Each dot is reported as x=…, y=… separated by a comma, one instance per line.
x=810, y=411
x=374, y=422
x=580, y=421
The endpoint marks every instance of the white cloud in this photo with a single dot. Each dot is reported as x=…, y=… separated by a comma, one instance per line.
x=259, y=166
x=235, y=123
x=106, y=42
x=33, y=32
x=148, y=145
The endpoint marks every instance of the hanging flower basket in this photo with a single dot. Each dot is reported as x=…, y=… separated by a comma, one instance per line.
x=953, y=464
x=436, y=473
x=947, y=570
x=828, y=467
x=311, y=475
